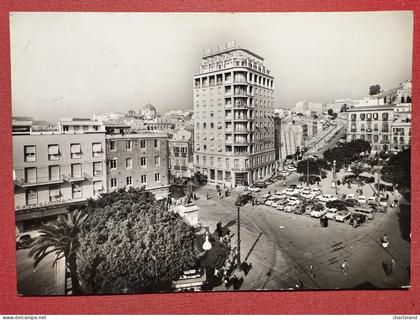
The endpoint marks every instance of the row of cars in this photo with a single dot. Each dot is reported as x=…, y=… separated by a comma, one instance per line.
x=311, y=201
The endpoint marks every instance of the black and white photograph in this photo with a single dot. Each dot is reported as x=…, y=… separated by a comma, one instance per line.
x=191, y=152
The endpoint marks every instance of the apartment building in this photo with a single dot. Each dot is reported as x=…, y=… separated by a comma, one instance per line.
x=53, y=169
x=181, y=154
x=137, y=160
x=233, y=116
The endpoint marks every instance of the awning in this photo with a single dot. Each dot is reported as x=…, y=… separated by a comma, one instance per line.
x=75, y=148
x=53, y=150
x=97, y=147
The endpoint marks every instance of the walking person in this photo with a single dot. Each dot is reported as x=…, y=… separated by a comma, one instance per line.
x=312, y=271
x=384, y=241
x=393, y=264
x=345, y=267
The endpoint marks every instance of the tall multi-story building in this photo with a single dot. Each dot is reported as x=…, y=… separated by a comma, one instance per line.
x=53, y=169
x=233, y=116
x=137, y=160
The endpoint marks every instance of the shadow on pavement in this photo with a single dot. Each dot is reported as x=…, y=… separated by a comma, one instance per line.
x=253, y=246
x=404, y=221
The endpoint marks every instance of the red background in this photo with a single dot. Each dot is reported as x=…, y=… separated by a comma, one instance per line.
x=351, y=302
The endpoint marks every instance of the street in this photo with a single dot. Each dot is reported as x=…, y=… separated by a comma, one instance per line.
x=282, y=247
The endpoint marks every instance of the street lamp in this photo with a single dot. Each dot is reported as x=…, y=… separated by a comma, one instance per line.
x=207, y=245
x=239, y=239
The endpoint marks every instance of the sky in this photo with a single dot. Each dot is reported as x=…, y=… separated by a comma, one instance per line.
x=78, y=64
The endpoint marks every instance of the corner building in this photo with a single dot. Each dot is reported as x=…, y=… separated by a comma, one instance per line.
x=233, y=116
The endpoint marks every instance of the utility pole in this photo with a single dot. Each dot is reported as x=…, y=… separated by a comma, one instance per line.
x=379, y=176
x=239, y=239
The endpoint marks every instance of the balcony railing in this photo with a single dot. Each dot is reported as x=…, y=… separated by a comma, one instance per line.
x=27, y=183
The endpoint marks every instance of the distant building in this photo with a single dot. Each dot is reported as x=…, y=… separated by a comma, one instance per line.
x=308, y=106
x=233, y=116
x=138, y=160
x=338, y=105
x=53, y=169
x=108, y=116
x=181, y=154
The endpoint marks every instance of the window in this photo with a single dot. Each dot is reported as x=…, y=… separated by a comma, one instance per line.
x=31, y=197
x=113, y=163
x=211, y=125
x=156, y=143
x=362, y=116
x=97, y=187
x=129, y=181
x=54, y=173
x=143, y=178
x=227, y=163
x=204, y=125
x=143, y=144
x=157, y=161
x=385, y=116
x=75, y=151
x=204, y=160
x=236, y=163
x=204, y=147
x=128, y=145
x=55, y=194
x=96, y=149
x=114, y=183
x=128, y=163
x=76, y=170
x=30, y=153
x=97, y=169
x=197, y=160
x=143, y=161
x=76, y=191
x=65, y=128
x=30, y=175
x=211, y=162
x=53, y=152
x=157, y=177
x=198, y=125
x=112, y=145
x=375, y=116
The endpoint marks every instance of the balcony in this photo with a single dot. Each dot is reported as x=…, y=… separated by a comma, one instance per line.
x=29, y=183
x=73, y=179
x=243, y=118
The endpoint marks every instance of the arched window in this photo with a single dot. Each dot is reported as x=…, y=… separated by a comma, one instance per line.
x=408, y=99
x=402, y=100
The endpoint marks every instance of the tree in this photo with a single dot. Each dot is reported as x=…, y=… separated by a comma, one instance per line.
x=358, y=168
x=128, y=244
x=302, y=167
x=374, y=89
x=397, y=170
x=360, y=145
x=330, y=112
x=61, y=238
x=344, y=108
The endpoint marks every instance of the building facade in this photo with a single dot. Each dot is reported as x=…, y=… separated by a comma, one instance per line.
x=181, y=154
x=233, y=116
x=55, y=168
x=372, y=124
x=138, y=160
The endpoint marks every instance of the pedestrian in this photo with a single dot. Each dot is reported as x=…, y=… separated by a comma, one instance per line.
x=208, y=196
x=345, y=267
x=396, y=203
x=384, y=241
x=226, y=193
x=387, y=196
x=393, y=264
x=312, y=271
x=220, y=194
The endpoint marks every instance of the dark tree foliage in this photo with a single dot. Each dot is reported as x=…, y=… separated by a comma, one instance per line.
x=374, y=89
x=129, y=244
x=302, y=167
x=346, y=152
x=397, y=171
x=330, y=112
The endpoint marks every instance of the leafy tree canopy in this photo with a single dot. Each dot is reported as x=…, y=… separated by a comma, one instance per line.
x=374, y=89
x=128, y=244
x=397, y=171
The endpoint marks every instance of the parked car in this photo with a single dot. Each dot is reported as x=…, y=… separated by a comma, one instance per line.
x=326, y=197
x=338, y=204
x=356, y=219
x=318, y=210
x=291, y=168
x=378, y=207
x=383, y=202
x=365, y=210
x=331, y=213
x=371, y=200
x=295, y=199
x=361, y=199
x=299, y=188
x=243, y=199
x=291, y=192
x=260, y=184
x=307, y=194
x=269, y=201
x=24, y=241
x=342, y=215
x=254, y=189
x=349, y=196
x=275, y=198
x=284, y=173
x=316, y=191
x=281, y=204
x=351, y=202
x=291, y=206
x=300, y=208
